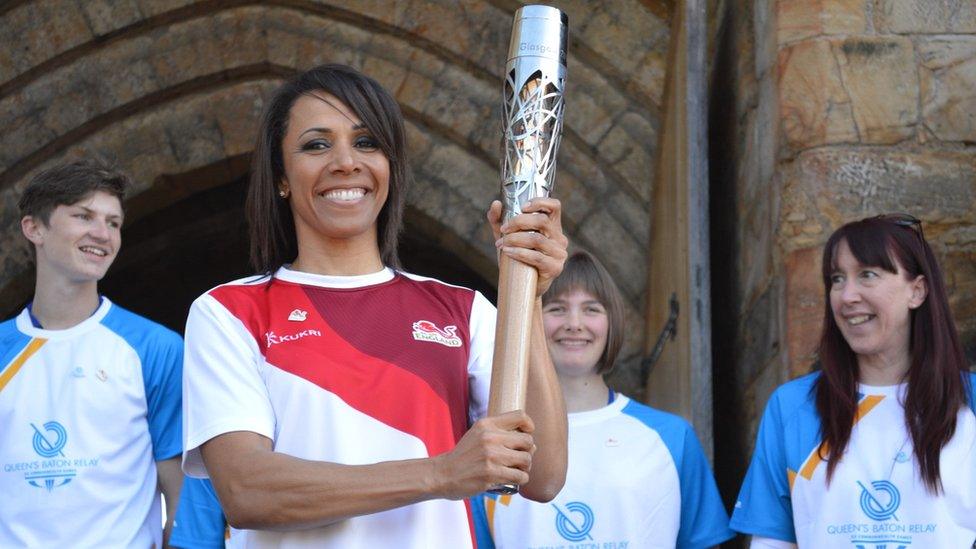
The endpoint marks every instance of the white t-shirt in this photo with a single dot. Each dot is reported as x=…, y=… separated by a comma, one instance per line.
x=351, y=370
x=876, y=497
x=637, y=478
x=84, y=414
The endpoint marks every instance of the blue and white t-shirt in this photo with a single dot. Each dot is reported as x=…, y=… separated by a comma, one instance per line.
x=637, y=477
x=84, y=415
x=876, y=497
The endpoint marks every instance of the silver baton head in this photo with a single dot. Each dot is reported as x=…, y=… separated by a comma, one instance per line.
x=535, y=77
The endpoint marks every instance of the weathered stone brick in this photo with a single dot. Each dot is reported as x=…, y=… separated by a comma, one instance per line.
x=761, y=333
x=389, y=74
x=959, y=268
x=439, y=21
x=632, y=214
x=37, y=31
x=848, y=90
x=419, y=142
x=237, y=111
x=948, y=83
x=601, y=233
x=835, y=185
x=415, y=90
x=925, y=16
x=150, y=8
x=391, y=13
x=105, y=16
x=616, y=34
x=576, y=199
x=584, y=169
x=301, y=40
x=800, y=19
x=804, y=307
x=629, y=142
x=451, y=103
x=881, y=80
x=814, y=106
x=757, y=241
x=435, y=198
x=651, y=74
x=467, y=175
x=592, y=103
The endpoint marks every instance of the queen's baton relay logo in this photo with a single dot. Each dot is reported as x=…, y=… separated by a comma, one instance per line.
x=885, y=524
x=425, y=330
x=57, y=467
x=49, y=443
x=880, y=501
x=575, y=522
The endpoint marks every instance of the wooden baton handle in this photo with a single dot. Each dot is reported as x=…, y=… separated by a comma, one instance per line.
x=510, y=364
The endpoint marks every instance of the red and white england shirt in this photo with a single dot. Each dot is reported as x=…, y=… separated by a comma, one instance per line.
x=351, y=370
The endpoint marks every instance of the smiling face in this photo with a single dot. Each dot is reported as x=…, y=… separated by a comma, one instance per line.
x=336, y=176
x=80, y=241
x=576, y=326
x=872, y=307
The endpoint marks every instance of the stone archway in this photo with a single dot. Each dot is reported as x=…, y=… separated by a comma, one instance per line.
x=172, y=90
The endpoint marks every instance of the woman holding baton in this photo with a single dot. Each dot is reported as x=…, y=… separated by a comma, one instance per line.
x=878, y=448
x=331, y=400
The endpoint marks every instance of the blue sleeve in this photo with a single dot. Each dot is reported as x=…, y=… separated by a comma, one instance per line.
x=482, y=530
x=764, y=507
x=704, y=522
x=199, y=522
x=162, y=371
x=160, y=351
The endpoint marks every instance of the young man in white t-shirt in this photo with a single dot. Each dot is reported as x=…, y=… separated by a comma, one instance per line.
x=89, y=392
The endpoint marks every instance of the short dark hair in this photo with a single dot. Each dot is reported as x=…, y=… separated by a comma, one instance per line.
x=270, y=221
x=584, y=272
x=66, y=184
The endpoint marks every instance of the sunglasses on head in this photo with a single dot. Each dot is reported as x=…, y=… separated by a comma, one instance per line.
x=904, y=220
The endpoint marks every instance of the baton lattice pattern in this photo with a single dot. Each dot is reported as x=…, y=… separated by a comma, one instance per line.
x=533, y=118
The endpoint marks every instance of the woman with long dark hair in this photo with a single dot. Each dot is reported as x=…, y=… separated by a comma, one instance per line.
x=878, y=448
x=331, y=399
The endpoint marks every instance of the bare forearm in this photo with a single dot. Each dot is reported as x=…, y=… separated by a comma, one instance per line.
x=170, y=479
x=268, y=490
x=548, y=411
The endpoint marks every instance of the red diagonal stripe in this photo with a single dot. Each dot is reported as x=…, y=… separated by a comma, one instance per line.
x=375, y=387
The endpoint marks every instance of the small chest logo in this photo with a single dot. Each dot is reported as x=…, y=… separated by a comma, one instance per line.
x=273, y=339
x=425, y=330
x=298, y=315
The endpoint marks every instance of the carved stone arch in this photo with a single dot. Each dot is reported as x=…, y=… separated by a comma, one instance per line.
x=171, y=88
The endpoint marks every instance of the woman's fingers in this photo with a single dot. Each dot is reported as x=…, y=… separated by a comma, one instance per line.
x=534, y=237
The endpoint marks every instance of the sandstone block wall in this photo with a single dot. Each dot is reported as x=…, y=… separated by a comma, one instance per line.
x=881, y=119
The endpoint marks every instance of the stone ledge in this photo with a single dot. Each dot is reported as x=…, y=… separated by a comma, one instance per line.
x=825, y=188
